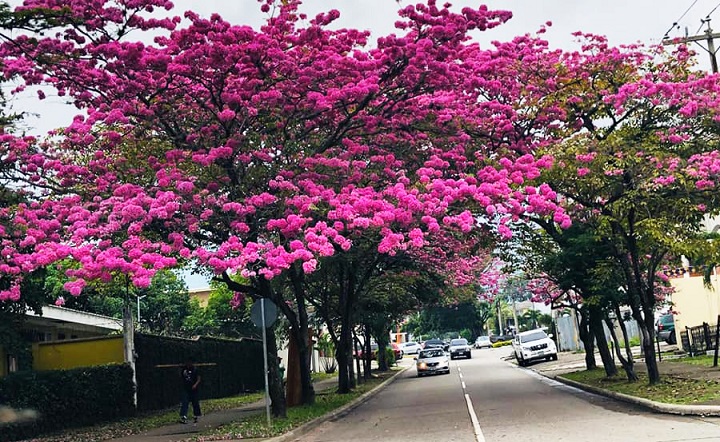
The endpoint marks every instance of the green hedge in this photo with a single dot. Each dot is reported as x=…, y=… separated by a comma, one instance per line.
x=502, y=344
x=67, y=398
x=227, y=367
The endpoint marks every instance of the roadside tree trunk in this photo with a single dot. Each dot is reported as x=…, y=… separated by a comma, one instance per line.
x=627, y=362
x=278, y=406
x=367, y=354
x=596, y=324
x=587, y=339
x=648, y=344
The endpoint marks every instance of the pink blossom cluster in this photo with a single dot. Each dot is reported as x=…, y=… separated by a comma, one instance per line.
x=251, y=150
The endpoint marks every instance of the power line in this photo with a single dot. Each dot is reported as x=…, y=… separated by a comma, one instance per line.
x=707, y=18
x=681, y=17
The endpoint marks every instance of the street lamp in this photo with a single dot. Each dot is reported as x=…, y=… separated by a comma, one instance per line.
x=138, y=307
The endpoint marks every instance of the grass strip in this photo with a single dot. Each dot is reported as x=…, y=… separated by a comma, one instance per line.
x=670, y=390
x=144, y=422
x=256, y=426
x=321, y=376
x=704, y=360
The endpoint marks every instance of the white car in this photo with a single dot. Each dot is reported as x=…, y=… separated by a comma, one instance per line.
x=432, y=360
x=460, y=347
x=483, y=342
x=411, y=348
x=533, y=345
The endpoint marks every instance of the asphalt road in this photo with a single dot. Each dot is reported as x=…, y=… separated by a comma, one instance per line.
x=510, y=403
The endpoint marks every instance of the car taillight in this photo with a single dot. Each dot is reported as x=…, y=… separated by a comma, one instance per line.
x=660, y=326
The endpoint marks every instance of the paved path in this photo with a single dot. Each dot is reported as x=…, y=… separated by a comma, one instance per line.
x=179, y=432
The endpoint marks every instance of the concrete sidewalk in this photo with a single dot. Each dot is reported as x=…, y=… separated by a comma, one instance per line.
x=180, y=432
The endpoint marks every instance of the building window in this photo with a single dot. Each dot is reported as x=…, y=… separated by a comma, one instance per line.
x=61, y=336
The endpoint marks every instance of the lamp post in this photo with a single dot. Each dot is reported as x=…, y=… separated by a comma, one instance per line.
x=138, y=307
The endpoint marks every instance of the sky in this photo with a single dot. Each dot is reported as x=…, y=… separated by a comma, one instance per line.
x=622, y=21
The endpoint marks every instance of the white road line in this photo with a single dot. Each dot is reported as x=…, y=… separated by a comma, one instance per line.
x=463, y=384
x=473, y=417
x=460, y=374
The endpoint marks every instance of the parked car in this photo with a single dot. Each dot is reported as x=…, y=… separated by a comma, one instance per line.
x=533, y=345
x=666, y=328
x=483, y=342
x=432, y=360
x=411, y=348
x=501, y=338
x=374, y=349
x=460, y=347
x=360, y=352
x=397, y=351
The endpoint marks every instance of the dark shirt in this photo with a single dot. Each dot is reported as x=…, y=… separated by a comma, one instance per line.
x=189, y=377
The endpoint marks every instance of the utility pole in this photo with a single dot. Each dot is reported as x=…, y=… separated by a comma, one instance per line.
x=707, y=36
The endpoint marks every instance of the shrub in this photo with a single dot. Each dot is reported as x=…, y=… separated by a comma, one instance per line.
x=501, y=344
x=67, y=398
x=390, y=356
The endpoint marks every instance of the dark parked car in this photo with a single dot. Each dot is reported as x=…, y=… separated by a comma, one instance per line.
x=500, y=338
x=666, y=328
x=439, y=343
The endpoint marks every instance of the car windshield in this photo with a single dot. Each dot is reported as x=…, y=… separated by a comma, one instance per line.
x=434, y=353
x=666, y=319
x=410, y=344
x=534, y=336
x=483, y=338
x=458, y=342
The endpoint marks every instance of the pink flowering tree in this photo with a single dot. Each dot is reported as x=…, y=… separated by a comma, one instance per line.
x=641, y=170
x=262, y=152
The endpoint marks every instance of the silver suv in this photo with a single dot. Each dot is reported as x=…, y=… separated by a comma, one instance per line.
x=460, y=347
x=533, y=345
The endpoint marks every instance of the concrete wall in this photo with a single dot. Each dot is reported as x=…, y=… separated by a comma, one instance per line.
x=568, y=336
x=79, y=353
x=694, y=303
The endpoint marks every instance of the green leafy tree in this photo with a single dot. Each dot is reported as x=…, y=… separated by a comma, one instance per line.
x=219, y=317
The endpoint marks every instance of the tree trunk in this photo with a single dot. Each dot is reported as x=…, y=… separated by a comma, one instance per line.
x=628, y=364
x=341, y=353
x=301, y=333
x=383, y=364
x=302, y=341
x=278, y=406
x=367, y=354
x=587, y=339
x=648, y=343
x=596, y=324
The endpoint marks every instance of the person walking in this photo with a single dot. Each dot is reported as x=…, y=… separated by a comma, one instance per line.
x=190, y=381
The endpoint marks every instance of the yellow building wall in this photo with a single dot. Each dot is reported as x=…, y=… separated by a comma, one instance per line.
x=694, y=303
x=78, y=353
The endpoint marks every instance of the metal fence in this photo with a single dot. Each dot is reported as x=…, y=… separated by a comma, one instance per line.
x=699, y=339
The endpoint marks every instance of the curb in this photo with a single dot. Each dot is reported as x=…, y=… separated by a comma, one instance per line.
x=345, y=409
x=659, y=407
